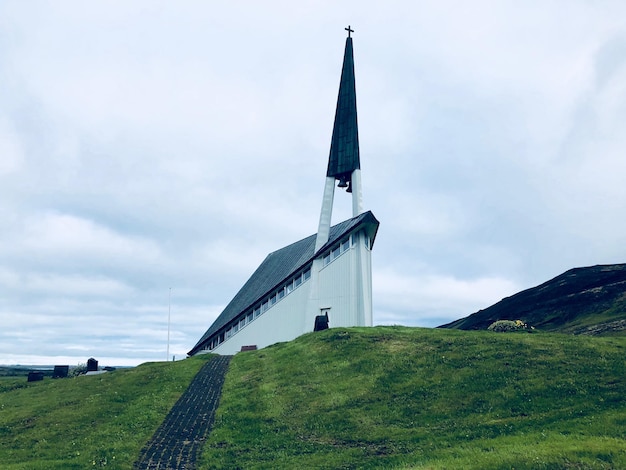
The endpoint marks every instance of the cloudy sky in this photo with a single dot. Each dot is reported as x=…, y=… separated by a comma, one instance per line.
x=150, y=145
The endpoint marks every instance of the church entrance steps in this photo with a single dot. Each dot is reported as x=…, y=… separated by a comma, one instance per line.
x=175, y=444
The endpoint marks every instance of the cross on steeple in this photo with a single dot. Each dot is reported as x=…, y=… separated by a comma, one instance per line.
x=349, y=30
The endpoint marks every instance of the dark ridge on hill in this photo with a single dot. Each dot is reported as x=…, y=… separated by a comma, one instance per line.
x=590, y=300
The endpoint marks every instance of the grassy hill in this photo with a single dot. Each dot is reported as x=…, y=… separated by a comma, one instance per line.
x=384, y=397
x=87, y=422
x=590, y=300
x=394, y=397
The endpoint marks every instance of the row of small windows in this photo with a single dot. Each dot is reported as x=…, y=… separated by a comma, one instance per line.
x=338, y=250
x=343, y=246
x=261, y=308
x=287, y=288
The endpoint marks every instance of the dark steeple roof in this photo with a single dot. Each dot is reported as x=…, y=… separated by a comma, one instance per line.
x=279, y=266
x=344, y=145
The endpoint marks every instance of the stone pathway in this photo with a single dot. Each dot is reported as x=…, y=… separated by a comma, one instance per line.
x=174, y=446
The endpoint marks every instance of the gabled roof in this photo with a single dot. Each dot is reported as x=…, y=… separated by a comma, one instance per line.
x=344, y=145
x=279, y=266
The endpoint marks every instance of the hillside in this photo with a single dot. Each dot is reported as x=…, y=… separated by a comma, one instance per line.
x=589, y=300
x=384, y=397
x=87, y=422
x=393, y=397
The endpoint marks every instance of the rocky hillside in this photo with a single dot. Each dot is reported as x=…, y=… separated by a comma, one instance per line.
x=589, y=300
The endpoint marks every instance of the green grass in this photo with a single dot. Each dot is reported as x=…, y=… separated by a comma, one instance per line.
x=88, y=421
x=385, y=397
x=393, y=397
x=616, y=312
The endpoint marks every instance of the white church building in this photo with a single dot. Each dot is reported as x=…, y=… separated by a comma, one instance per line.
x=324, y=280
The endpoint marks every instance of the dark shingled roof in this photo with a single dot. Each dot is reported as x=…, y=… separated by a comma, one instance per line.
x=279, y=266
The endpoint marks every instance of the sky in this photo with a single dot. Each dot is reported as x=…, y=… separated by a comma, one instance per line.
x=153, y=153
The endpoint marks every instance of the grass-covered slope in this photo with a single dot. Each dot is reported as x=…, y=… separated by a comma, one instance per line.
x=385, y=397
x=392, y=397
x=88, y=421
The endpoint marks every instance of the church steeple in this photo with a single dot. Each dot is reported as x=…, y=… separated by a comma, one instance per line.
x=344, y=145
x=298, y=285
x=344, y=162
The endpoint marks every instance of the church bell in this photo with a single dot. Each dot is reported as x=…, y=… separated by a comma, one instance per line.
x=345, y=181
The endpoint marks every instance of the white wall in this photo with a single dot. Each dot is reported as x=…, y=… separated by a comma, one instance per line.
x=344, y=286
x=282, y=322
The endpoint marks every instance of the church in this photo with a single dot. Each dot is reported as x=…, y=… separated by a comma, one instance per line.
x=324, y=280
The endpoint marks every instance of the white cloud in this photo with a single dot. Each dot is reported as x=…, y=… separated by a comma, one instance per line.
x=75, y=286
x=144, y=146
x=10, y=149
x=55, y=295
x=423, y=297
x=64, y=235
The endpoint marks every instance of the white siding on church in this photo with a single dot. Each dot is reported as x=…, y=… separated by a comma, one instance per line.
x=282, y=322
x=336, y=289
x=343, y=285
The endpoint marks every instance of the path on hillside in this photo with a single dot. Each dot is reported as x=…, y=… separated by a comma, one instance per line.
x=175, y=445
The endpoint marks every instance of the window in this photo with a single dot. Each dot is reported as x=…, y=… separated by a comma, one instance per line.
x=335, y=253
x=297, y=281
x=257, y=312
x=345, y=245
x=264, y=307
x=281, y=293
x=235, y=328
x=250, y=317
x=289, y=287
x=326, y=259
x=242, y=322
x=307, y=274
x=273, y=299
